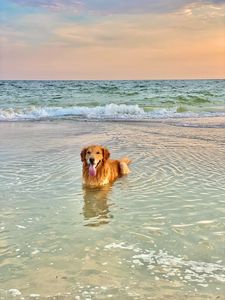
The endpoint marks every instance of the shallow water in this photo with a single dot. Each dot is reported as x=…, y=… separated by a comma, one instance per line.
x=157, y=234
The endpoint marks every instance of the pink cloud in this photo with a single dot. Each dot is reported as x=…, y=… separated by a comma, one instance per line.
x=115, y=6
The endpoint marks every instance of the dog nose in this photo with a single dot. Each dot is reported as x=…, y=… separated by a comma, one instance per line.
x=91, y=160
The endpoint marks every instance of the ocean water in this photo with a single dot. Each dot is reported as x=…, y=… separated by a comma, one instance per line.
x=158, y=233
x=129, y=100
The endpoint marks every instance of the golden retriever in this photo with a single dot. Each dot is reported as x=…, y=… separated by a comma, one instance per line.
x=98, y=169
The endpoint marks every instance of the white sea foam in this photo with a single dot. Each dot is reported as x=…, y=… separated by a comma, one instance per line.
x=172, y=266
x=111, y=112
x=14, y=292
x=108, y=112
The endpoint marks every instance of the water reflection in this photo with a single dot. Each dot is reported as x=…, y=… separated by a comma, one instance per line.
x=96, y=208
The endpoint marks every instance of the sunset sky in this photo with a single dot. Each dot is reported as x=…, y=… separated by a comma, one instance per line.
x=112, y=39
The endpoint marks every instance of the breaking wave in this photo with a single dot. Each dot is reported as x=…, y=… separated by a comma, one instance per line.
x=108, y=112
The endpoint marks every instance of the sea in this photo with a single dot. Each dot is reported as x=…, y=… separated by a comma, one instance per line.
x=158, y=233
x=112, y=100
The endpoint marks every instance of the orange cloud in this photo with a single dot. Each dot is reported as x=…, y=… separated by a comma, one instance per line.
x=188, y=44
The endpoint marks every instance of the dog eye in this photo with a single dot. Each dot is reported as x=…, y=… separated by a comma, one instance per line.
x=89, y=152
x=98, y=152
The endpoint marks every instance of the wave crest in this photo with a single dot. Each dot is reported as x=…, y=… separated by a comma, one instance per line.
x=108, y=112
x=99, y=112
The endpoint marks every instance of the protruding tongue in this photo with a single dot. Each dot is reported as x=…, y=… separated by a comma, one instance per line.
x=92, y=170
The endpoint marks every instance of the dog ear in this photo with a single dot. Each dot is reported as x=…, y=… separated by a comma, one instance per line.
x=106, y=153
x=83, y=154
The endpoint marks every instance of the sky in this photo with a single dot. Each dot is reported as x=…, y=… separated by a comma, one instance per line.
x=112, y=39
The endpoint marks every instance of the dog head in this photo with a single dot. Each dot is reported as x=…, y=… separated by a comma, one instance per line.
x=94, y=156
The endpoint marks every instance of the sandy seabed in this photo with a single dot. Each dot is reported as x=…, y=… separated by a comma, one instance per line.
x=60, y=242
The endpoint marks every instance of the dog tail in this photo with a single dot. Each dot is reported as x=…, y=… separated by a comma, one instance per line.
x=125, y=160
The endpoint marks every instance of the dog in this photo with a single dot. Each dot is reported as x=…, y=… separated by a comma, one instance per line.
x=98, y=169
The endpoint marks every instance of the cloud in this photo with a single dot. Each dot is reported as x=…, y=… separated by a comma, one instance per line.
x=115, y=6
x=114, y=31
x=186, y=43
x=31, y=30
x=52, y=5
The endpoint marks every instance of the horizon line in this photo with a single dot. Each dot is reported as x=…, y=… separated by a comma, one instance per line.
x=174, y=79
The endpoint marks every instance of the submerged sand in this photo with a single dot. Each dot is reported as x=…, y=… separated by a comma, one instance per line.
x=156, y=234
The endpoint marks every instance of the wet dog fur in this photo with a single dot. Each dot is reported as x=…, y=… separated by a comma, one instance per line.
x=99, y=169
